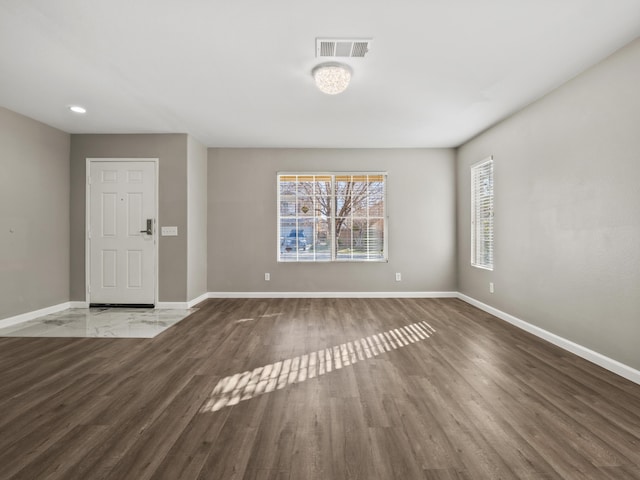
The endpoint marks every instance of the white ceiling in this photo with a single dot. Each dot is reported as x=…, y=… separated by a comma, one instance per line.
x=237, y=73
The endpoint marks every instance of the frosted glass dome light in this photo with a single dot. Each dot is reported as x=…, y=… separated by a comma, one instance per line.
x=332, y=78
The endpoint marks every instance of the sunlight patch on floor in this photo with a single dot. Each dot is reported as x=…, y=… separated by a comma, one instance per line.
x=236, y=388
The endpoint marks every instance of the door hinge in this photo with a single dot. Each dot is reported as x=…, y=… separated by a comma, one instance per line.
x=88, y=288
x=89, y=233
x=89, y=180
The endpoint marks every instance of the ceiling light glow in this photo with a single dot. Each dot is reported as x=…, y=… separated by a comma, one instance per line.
x=77, y=109
x=332, y=78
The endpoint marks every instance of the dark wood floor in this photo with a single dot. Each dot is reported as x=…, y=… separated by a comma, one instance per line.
x=315, y=389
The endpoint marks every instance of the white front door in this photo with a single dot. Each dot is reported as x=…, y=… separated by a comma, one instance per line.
x=122, y=251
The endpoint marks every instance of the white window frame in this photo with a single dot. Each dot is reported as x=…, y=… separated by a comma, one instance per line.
x=333, y=258
x=482, y=215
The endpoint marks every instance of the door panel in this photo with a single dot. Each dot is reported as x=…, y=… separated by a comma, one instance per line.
x=134, y=269
x=109, y=268
x=122, y=256
x=109, y=214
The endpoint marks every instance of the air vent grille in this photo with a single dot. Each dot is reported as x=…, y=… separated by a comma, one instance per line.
x=360, y=49
x=327, y=49
x=342, y=47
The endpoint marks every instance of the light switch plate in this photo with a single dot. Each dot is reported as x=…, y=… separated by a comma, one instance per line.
x=169, y=231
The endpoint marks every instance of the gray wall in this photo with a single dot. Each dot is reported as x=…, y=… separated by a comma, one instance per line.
x=171, y=149
x=34, y=214
x=242, y=221
x=567, y=211
x=197, y=218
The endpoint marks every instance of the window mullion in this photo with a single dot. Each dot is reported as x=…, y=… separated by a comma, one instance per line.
x=366, y=226
x=332, y=220
x=297, y=213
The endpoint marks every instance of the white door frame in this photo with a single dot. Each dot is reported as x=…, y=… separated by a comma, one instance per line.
x=87, y=243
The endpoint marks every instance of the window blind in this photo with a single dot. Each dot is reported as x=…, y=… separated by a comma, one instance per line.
x=482, y=214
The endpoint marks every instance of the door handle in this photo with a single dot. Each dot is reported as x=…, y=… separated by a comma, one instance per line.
x=149, y=230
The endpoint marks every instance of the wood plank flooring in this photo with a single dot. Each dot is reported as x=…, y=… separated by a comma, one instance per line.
x=293, y=389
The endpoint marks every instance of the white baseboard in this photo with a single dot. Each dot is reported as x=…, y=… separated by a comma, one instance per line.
x=78, y=304
x=332, y=295
x=197, y=300
x=25, y=317
x=594, y=357
x=172, y=305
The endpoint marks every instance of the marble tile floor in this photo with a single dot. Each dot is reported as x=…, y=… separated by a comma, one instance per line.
x=100, y=322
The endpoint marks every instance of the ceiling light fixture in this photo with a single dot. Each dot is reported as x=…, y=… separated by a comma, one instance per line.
x=332, y=78
x=77, y=109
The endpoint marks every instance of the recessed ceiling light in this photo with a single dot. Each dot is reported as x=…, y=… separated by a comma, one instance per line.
x=77, y=109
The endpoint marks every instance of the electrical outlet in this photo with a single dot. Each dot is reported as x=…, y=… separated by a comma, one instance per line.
x=267, y=277
x=398, y=276
x=491, y=289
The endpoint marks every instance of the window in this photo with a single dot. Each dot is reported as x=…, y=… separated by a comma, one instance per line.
x=329, y=217
x=482, y=214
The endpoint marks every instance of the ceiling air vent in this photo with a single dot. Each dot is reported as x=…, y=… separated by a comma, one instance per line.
x=342, y=47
